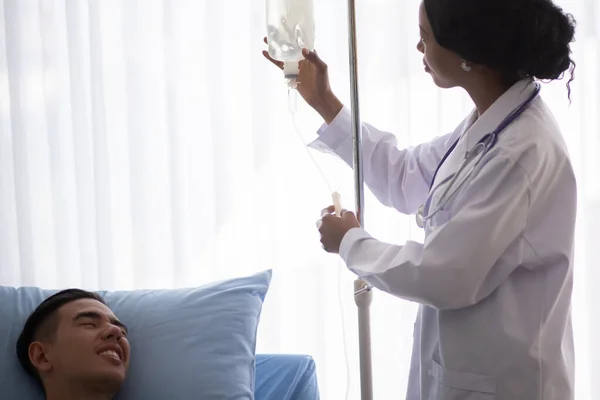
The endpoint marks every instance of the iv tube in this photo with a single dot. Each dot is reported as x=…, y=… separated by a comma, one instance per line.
x=293, y=108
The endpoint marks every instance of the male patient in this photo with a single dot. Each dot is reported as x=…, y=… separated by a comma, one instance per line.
x=75, y=347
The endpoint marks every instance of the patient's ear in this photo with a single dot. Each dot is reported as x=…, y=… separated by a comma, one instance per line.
x=38, y=354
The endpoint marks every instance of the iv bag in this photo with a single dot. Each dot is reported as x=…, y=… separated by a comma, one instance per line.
x=290, y=28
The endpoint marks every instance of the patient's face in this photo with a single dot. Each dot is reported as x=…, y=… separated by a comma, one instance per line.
x=90, y=345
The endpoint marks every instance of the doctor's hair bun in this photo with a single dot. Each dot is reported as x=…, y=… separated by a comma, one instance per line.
x=518, y=38
x=550, y=52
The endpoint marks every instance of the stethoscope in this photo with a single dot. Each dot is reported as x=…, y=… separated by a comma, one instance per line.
x=473, y=158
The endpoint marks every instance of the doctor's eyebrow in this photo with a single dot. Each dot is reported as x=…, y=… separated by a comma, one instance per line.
x=423, y=32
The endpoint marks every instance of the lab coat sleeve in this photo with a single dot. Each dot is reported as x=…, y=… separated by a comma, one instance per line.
x=458, y=265
x=398, y=178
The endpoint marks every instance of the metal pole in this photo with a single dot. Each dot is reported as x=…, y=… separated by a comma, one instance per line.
x=362, y=291
x=356, y=123
x=362, y=297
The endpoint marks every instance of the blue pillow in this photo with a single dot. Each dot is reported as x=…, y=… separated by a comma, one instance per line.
x=193, y=343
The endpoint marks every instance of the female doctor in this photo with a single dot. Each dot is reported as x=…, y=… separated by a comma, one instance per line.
x=496, y=197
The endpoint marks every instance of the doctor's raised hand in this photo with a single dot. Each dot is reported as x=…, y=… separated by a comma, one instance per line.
x=313, y=84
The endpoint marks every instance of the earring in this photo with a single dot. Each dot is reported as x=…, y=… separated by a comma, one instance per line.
x=464, y=66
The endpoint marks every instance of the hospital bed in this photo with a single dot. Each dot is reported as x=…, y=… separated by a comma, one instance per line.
x=285, y=377
x=189, y=343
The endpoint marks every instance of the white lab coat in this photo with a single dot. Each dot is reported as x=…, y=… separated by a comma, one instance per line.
x=495, y=272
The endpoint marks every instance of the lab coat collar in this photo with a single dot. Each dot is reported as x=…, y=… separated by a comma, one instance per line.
x=477, y=128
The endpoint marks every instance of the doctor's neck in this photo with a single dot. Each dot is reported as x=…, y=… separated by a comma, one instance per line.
x=484, y=90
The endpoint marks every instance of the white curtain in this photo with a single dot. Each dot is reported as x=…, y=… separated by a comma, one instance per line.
x=147, y=143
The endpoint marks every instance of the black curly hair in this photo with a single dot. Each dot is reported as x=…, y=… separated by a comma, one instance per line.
x=517, y=38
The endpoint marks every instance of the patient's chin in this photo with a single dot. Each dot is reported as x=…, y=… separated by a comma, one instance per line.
x=109, y=381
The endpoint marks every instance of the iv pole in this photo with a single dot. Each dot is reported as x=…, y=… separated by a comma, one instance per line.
x=362, y=291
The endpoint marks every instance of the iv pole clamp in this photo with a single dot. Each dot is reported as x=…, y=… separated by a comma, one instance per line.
x=362, y=291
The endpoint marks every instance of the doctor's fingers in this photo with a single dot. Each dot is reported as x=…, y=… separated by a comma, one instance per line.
x=331, y=211
x=310, y=56
x=327, y=211
x=313, y=58
x=345, y=214
x=328, y=220
x=278, y=64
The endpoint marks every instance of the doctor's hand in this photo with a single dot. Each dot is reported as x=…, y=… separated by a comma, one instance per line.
x=333, y=228
x=313, y=84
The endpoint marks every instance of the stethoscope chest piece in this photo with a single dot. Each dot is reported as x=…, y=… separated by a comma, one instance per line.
x=419, y=217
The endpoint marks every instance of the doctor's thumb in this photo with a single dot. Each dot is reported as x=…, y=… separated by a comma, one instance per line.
x=313, y=58
x=345, y=214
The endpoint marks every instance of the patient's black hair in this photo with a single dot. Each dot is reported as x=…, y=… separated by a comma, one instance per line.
x=517, y=38
x=43, y=322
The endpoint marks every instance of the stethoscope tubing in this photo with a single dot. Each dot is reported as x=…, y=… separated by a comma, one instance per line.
x=491, y=139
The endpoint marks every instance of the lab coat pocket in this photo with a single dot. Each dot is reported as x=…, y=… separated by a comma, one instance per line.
x=452, y=385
